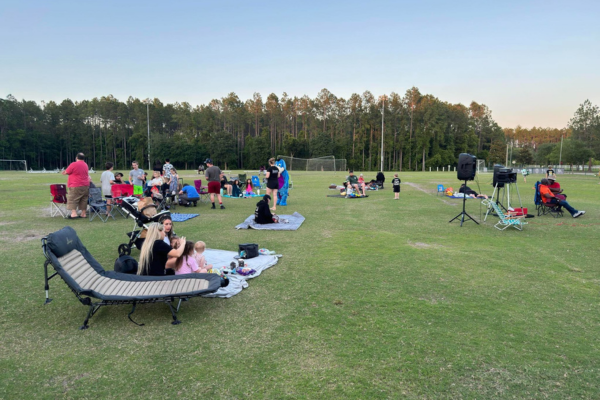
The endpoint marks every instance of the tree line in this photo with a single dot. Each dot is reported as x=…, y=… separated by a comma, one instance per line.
x=420, y=131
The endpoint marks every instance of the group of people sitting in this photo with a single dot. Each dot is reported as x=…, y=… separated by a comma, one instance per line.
x=163, y=253
x=356, y=185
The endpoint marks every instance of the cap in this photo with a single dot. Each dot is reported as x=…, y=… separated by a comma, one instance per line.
x=351, y=171
x=208, y=161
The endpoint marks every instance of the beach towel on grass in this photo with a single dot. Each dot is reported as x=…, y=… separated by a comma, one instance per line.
x=294, y=222
x=344, y=197
x=245, y=196
x=222, y=258
x=175, y=217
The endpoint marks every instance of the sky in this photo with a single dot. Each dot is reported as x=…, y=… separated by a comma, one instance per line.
x=531, y=62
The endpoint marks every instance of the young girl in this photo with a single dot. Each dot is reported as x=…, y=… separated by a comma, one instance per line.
x=199, y=248
x=248, y=191
x=186, y=263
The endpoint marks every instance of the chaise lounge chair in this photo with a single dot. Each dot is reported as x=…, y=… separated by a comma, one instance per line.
x=94, y=287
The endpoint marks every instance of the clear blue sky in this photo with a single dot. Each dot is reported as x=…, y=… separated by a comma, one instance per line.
x=532, y=63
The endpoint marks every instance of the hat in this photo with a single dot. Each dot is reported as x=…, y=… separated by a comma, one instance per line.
x=551, y=177
x=351, y=171
x=361, y=175
x=208, y=161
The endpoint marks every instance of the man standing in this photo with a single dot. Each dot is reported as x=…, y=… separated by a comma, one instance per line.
x=549, y=198
x=167, y=168
x=213, y=176
x=136, y=175
x=79, y=186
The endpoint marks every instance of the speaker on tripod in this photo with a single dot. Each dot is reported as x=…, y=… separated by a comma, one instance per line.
x=467, y=168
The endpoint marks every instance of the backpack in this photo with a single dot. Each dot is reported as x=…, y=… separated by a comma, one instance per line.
x=126, y=265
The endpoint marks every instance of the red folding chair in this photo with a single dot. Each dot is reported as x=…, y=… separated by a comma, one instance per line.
x=58, y=204
x=119, y=192
x=202, y=191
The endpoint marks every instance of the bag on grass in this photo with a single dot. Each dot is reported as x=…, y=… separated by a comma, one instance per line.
x=126, y=265
x=248, y=250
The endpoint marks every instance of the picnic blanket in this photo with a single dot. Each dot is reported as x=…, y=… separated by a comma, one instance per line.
x=459, y=197
x=245, y=196
x=344, y=197
x=175, y=217
x=222, y=258
x=293, y=223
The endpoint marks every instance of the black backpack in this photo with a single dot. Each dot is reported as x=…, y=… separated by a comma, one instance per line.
x=126, y=265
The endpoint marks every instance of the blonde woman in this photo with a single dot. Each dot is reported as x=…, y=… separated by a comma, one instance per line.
x=273, y=181
x=155, y=253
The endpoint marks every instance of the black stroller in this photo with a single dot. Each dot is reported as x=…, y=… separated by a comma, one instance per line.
x=141, y=221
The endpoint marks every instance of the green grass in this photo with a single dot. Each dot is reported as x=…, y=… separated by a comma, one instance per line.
x=373, y=298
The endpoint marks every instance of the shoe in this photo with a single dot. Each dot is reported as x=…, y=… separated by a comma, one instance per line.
x=213, y=207
x=222, y=207
x=578, y=214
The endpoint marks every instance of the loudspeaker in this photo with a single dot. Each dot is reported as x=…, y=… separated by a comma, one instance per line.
x=495, y=182
x=467, y=167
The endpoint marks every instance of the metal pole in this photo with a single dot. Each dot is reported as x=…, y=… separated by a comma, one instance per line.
x=148, y=121
x=560, y=156
x=382, y=114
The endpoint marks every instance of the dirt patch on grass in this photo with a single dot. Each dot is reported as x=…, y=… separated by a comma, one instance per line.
x=25, y=236
x=6, y=223
x=421, y=245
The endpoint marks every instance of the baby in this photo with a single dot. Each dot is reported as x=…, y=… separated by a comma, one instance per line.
x=349, y=190
x=199, y=248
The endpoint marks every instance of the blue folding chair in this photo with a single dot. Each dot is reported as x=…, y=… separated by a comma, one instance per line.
x=440, y=189
x=256, y=182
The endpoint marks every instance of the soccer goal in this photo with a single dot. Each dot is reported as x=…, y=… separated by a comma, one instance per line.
x=327, y=163
x=481, y=166
x=13, y=165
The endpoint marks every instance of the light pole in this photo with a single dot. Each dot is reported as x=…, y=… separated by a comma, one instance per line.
x=147, y=101
x=382, y=116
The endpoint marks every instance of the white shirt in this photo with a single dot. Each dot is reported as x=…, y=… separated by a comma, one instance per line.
x=105, y=179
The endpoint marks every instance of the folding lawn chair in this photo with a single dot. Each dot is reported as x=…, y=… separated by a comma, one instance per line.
x=58, y=204
x=256, y=182
x=204, y=195
x=242, y=178
x=440, y=190
x=505, y=220
x=119, y=192
x=97, y=205
x=543, y=208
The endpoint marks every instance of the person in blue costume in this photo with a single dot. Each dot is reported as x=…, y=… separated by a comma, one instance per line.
x=284, y=184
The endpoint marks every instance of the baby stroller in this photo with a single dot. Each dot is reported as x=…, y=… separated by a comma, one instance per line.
x=129, y=207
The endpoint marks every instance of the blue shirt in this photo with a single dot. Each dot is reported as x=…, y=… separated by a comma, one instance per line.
x=190, y=191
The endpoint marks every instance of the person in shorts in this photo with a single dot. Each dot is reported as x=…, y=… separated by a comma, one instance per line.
x=396, y=185
x=107, y=179
x=272, y=175
x=79, y=186
x=136, y=175
x=213, y=176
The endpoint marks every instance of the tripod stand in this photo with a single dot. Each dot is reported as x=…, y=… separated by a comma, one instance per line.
x=505, y=194
x=464, y=213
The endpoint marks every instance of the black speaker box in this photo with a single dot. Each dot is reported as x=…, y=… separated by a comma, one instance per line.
x=495, y=182
x=467, y=167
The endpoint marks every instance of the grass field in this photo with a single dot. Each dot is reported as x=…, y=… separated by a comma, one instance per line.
x=373, y=299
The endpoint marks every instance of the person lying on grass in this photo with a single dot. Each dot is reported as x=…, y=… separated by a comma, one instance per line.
x=470, y=192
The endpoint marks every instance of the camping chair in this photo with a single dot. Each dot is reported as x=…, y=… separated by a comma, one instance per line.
x=95, y=287
x=256, y=183
x=204, y=195
x=118, y=193
x=97, y=205
x=505, y=220
x=58, y=204
x=440, y=190
x=545, y=208
x=242, y=178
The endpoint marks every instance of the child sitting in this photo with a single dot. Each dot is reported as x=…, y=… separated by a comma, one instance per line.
x=248, y=191
x=186, y=263
x=199, y=248
x=349, y=190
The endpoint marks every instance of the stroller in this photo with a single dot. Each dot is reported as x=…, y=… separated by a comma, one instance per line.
x=129, y=207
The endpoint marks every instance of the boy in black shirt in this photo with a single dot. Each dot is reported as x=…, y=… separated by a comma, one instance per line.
x=396, y=183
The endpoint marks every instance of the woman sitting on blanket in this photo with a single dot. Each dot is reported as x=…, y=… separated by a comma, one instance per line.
x=156, y=256
x=262, y=214
x=470, y=192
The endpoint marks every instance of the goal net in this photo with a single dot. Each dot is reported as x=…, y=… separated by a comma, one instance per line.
x=13, y=165
x=328, y=163
x=481, y=166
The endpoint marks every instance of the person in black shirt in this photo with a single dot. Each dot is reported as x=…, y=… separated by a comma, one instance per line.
x=273, y=182
x=262, y=214
x=396, y=184
x=155, y=253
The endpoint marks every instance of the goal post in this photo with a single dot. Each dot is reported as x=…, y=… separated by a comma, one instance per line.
x=327, y=163
x=13, y=165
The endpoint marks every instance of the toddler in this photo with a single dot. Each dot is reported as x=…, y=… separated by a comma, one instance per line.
x=199, y=248
x=349, y=190
x=396, y=185
x=186, y=263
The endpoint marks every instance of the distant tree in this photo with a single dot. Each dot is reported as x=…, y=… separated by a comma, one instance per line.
x=543, y=154
x=585, y=125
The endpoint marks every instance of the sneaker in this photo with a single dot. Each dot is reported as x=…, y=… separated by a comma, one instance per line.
x=222, y=207
x=213, y=207
x=578, y=214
